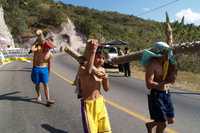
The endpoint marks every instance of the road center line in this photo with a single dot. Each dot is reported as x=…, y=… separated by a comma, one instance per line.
x=123, y=109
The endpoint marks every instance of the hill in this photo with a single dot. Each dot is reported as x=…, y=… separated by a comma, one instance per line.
x=25, y=16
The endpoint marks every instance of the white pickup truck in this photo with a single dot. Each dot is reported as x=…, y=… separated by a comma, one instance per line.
x=109, y=53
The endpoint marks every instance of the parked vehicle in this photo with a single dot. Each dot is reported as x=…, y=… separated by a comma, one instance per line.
x=109, y=53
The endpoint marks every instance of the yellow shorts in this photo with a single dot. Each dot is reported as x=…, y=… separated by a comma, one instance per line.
x=94, y=116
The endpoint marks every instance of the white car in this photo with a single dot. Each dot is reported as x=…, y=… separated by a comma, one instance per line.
x=110, y=52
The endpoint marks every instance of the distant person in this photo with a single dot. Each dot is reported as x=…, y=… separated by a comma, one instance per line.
x=2, y=59
x=127, y=69
x=30, y=51
x=160, y=71
x=61, y=49
x=41, y=65
x=120, y=53
x=94, y=113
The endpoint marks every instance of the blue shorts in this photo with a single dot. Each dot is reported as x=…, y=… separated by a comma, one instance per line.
x=40, y=74
x=160, y=105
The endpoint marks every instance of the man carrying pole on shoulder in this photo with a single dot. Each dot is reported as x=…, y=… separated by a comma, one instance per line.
x=160, y=71
x=41, y=65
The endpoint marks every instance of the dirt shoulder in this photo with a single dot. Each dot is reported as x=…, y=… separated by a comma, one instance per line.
x=185, y=80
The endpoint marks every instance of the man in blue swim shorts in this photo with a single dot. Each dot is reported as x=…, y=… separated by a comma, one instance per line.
x=41, y=65
x=160, y=72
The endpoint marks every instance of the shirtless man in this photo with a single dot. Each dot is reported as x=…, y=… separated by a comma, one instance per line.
x=159, y=73
x=94, y=113
x=41, y=66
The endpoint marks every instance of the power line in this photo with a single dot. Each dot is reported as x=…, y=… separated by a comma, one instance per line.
x=151, y=10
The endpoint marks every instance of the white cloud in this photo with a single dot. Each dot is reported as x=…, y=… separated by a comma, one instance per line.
x=189, y=16
x=146, y=9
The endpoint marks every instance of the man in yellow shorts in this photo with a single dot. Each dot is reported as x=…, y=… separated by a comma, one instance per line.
x=91, y=76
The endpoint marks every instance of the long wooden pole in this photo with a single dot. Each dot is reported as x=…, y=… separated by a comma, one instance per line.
x=177, y=48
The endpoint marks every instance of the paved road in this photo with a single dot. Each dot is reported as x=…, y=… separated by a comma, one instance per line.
x=126, y=103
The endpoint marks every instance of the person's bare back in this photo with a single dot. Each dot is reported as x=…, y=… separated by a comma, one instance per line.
x=41, y=58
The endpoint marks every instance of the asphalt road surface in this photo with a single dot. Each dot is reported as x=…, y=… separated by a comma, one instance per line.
x=126, y=102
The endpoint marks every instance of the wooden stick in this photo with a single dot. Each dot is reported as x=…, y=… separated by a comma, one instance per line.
x=168, y=33
x=73, y=53
x=177, y=48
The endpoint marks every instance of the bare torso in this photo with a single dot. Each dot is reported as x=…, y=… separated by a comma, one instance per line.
x=89, y=91
x=158, y=71
x=155, y=73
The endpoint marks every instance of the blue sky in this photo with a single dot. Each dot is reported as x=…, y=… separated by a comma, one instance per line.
x=188, y=8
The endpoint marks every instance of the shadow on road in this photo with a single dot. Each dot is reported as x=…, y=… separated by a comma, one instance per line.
x=22, y=70
x=186, y=93
x=52, y=129
x=115, y=75
x=8, y=96
x=27, y=67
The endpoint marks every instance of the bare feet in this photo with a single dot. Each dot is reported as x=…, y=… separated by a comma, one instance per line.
x=149, y=127
x=50, y=102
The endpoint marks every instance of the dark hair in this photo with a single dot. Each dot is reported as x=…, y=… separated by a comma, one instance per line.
x=126, y=48
x=99, y=51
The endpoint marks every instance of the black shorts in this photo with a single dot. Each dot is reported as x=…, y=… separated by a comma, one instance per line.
x=160, y=105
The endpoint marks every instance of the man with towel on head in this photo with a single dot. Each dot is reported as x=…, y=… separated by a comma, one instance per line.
x=161, y=71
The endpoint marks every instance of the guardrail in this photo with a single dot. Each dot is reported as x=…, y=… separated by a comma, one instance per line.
x=14, y=54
